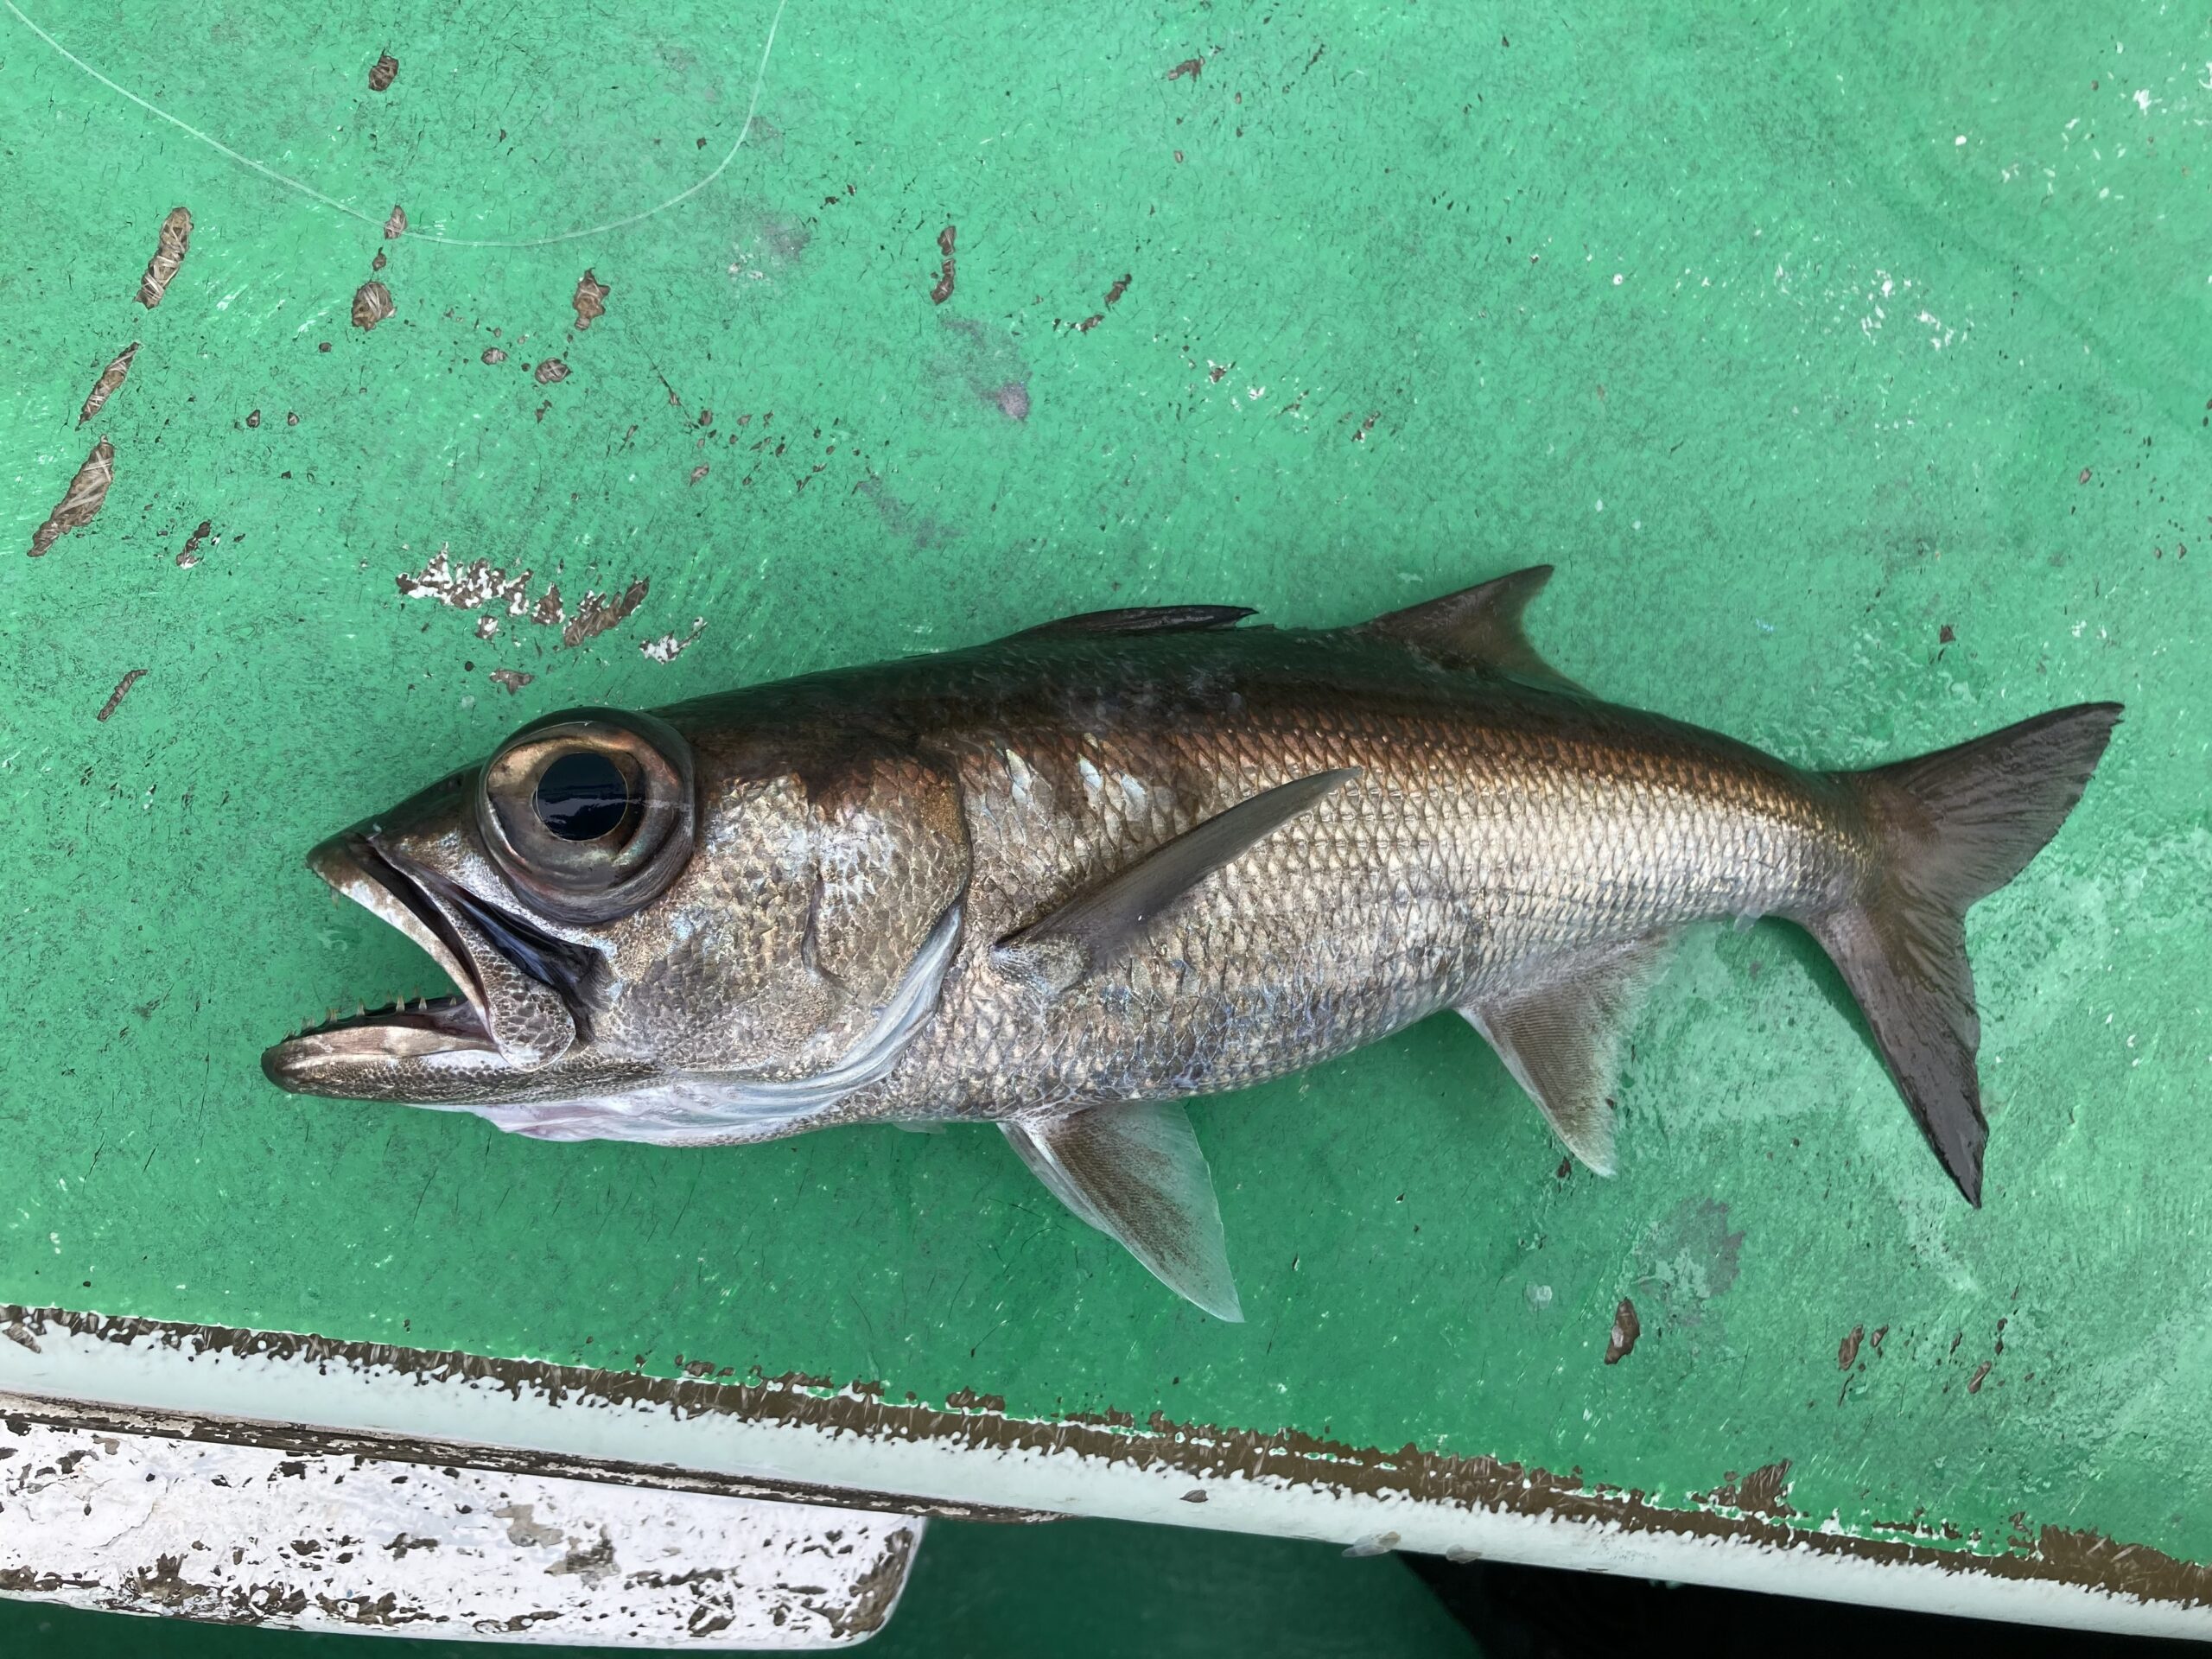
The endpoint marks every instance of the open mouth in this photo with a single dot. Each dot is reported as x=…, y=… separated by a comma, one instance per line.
x=407, y=1028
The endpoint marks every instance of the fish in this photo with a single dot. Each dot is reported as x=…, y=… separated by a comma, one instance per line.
x=1068, y=881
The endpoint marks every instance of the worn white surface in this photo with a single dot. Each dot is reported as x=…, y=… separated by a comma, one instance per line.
x=759, y=1433
x=138, y=1523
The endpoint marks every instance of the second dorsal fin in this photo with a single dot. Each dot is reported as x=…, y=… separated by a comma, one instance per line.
x=1477, y=627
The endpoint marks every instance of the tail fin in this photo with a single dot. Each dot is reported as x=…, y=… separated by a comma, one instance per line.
x=1953, y=828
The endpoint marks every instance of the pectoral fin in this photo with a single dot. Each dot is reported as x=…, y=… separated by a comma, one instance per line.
x=1136, y=1174
x=1561, y=1040
x=1058, y=953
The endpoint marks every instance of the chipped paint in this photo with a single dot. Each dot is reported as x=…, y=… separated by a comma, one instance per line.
x=243, y=1535
x=81, y=501
x=589, y=299
x=1742, y=1533
x=371, y=305
x=596, y=613
x=104, y=387
x=170, y=246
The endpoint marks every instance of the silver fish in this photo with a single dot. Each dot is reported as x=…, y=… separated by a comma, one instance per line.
x=1063, y=881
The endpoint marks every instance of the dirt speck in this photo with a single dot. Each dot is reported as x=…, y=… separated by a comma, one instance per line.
x=1089, y=322
x=86, y=491
x=512, y=678
x=551, y=370
x=942, y=291
x=1121, y=287
x=2084, y=478
x=1847, y=1353
x=169, y=249
x=379, y=262
x=383, y=72
x=371, y=305
x=396, y=225
x=104, y=387
x=123, y=688
x=1946, y=634
x=1620, y=1342
x=253, y=417
x=1367, y=426
x=590, y=299
x=1192, y=67
x=493, y=354
x=596, y=613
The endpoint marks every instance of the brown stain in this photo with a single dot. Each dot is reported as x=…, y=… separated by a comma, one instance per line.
x=1192, y=67
x=1761, y=1492
x=105, y=386
x=1847, y=1353
x=589, y=299
x=383, y=72
x=2072, y=1557
x=942, y=291
x=596, y=613
x=81, y=501
x=551, y=371
x=371, y=305
x=122, y=690
x=170, y=246
x=396, y=225
x=1620, y=1343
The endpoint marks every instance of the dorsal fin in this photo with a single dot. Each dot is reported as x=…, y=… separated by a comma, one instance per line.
x=1477, y=627
x=1058, y=953
x=1141, y=619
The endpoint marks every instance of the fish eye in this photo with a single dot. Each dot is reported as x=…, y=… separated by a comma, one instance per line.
x=583, y=796
x=589, y=814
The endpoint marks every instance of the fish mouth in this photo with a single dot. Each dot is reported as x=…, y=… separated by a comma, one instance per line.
x=344, y=1052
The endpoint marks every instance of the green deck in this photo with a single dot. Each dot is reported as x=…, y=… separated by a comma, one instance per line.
x=1851, y=368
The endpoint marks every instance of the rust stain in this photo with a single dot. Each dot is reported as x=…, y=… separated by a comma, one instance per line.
x=1621, y=1342
x=170, y=248
x=493, y=354
x=1192, y=67
x=942, y=291
x=122, y=688
x=596, y=614
x=552, y=371
x=590, y=299
x=371, y=305
x=383, y=72
x=104, y=387
x=1847, y=1353
x=514, y=679
x=86, y=491
x=396, y=225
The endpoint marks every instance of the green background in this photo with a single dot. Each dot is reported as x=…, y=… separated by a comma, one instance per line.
x=1851, y=363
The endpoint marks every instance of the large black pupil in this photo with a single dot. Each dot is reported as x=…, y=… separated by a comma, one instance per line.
x=583, y=796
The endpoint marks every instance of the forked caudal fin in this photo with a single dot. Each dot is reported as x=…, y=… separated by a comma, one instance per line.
x=1952, y=828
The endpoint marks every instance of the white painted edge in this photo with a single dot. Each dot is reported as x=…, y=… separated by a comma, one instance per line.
x=126, y=1523
x=354, y=1394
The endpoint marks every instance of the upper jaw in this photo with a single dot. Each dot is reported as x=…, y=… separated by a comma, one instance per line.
x=396, y=1052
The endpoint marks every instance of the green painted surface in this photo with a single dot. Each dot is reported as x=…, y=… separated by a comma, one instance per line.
x=1799, y=339
x=976, y=1592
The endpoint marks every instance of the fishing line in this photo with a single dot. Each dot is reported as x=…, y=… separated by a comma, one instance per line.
x=309, y=190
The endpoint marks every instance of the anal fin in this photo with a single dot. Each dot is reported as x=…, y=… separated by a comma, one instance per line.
x=1136, y=1174
x=1560, y=1039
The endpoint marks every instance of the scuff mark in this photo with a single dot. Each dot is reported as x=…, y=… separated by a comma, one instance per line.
x=590, y=299
x=105, y=386
x=86, y=491
x=668, y=647
x=596, y=614
x=371, y=305
x=115, y=697
x=383, y=72
x=169, y=249
x=942, y=291
x=514, y=679
x=925, y=530
x=1620, y=1343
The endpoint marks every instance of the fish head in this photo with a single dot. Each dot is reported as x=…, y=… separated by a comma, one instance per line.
x=638, y=910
